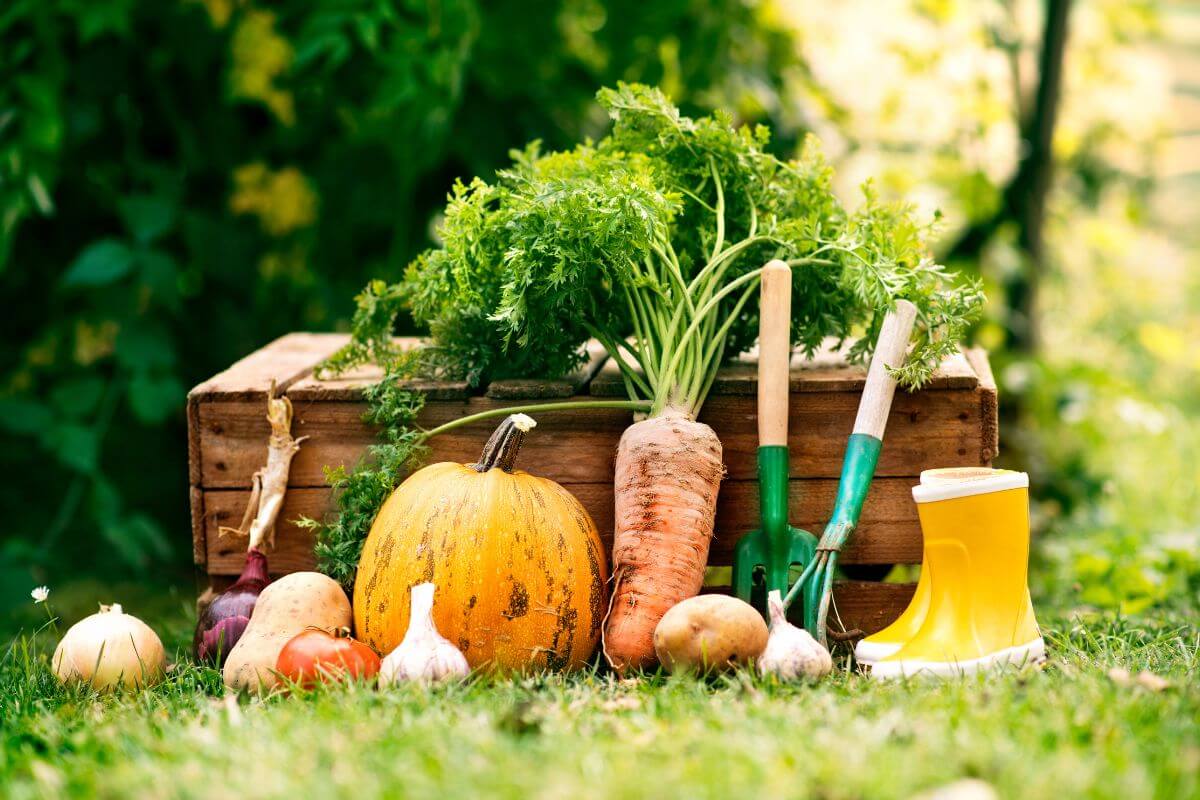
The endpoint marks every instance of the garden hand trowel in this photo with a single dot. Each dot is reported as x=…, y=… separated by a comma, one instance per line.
x=775, y=546
x=815, y=584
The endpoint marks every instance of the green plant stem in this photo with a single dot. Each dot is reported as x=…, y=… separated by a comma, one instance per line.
x=720, y=211
x=646, y=333
x=536, y=408
x=681, y=326
x=667, y=254
x=721, y=262
x=633, y=381
x=670, y=380
x=710, y=378
x=710, y=361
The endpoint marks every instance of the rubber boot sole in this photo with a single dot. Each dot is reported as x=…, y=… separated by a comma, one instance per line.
x=869, y=652
x=1015, y=656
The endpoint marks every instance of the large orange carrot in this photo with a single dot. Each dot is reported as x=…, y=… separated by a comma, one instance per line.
x=668, y=473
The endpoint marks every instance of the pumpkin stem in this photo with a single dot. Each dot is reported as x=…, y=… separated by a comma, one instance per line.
x=501, y=450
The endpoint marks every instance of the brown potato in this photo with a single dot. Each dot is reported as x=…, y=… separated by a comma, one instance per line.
x=285, y=608
x=709, y=632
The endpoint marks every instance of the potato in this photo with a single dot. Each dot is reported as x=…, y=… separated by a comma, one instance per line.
x=284, y=609
x=709, y=632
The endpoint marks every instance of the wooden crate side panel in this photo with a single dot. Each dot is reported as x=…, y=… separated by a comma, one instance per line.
x=287, y=362
x=869, y=606
x=284, y=361
x=989, y=404
x=889, y=533
x=925, y=430
x=866, y=605
x=199, y=535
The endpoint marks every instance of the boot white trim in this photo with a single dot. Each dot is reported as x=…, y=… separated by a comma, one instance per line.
x=944, y=475
x=1020, y=655
x=998, y=481
x=870, y=652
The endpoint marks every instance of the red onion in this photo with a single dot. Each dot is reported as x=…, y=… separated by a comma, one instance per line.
x=223, y=622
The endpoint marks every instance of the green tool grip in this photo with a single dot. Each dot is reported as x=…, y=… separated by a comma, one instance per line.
x=858, y=469
x=773, y=488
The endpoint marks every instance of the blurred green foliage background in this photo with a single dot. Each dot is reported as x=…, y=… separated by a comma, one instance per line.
x=182, y=181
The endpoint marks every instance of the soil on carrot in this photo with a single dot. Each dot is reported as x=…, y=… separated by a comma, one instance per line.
x=1068, y=730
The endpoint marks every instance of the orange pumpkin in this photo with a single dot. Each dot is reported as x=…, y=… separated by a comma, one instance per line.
x=519, y=569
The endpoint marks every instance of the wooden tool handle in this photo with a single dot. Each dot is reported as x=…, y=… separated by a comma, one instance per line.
x=890, y=351
x=774, y=353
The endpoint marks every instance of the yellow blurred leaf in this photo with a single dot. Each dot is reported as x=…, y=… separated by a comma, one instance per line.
x=260, y=55
x=283, y=200
x=1163, y=341
x=94, y=342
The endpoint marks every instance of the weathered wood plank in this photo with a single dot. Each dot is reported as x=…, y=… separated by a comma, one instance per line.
x=572, y=445
x=926, y=429
x=869, y=606
x=889, y=533
x=826, y=371
x=989, y=405
x=199, y=535
x=537, y=388
x=284, y=361
x=349, y=385
x=529, y=389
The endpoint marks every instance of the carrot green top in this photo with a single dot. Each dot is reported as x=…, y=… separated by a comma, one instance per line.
x=652, y=240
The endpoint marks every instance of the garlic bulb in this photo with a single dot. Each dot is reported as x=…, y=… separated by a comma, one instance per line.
x=110, y=649
x=425, y=656
x=791, y=652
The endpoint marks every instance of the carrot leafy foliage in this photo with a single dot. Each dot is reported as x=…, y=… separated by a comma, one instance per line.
x=651, y=241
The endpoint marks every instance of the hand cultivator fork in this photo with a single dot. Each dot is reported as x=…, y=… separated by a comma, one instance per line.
x=815, y=583
x=776, y=546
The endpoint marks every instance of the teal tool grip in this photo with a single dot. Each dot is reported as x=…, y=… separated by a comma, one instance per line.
x=773, y=488
x=858, y=469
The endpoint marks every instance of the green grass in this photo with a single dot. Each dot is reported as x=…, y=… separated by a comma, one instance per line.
x=1064, y=732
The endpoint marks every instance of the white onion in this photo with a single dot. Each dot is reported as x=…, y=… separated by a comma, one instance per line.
x=110, y=649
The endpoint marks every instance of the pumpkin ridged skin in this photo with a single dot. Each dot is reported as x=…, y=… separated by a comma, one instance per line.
x=519, y=568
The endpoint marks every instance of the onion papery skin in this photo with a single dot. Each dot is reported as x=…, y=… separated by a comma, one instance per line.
x=110, y=650
x=223, y=622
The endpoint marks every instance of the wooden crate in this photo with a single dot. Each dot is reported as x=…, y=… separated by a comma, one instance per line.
x=950, y=422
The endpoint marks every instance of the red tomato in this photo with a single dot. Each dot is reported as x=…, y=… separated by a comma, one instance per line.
x=315, y=656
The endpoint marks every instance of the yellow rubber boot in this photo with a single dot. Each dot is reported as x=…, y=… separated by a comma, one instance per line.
x=979, y=613
x=887, y=641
